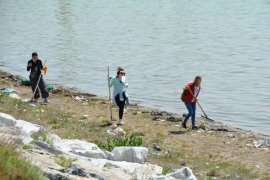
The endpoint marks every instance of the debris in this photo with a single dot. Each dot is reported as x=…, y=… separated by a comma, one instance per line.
x=81, y=99
x=173, y=119
x=25, y=82
x=202, y=126
x=262, y=143
x=14, y=96
x=50, y=87
x=156, y=147
x=7, y=90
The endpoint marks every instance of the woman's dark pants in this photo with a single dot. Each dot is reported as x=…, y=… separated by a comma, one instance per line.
x=121, y=105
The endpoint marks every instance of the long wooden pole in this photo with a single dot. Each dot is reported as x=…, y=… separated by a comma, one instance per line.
x=110, y=95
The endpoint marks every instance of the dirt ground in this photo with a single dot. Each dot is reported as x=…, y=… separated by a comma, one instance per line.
x=215, y=151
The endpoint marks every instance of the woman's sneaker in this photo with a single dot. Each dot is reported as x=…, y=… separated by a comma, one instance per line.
x=195, y=127
x=120, y=122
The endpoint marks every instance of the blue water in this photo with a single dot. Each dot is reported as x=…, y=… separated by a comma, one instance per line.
x=162, y=44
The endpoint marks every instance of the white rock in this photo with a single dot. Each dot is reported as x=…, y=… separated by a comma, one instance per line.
x=138, y=171
x=181, y=174
x=14, y=96
x=117, y=132
x=28, y=130
x=130, y=154
x=6, y=120
x=78, y=147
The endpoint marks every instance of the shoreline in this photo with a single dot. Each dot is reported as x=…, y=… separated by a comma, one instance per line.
x=144, y=108
x=215, y=144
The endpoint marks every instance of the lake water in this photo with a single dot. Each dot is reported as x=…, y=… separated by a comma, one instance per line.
x=162, y=44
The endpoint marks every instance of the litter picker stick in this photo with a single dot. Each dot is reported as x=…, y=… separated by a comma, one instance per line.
x=38, y=81
x=205, y=115
x=110, y=95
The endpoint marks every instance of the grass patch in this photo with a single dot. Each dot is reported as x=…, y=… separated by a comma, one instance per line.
x=212, y=172
x=45, y=138
x=64, y=161
x=128, y=140
x=26, y=147
x=166, y=170
x=12, y=167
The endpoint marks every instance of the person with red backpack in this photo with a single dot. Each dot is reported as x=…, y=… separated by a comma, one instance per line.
x=189, y=97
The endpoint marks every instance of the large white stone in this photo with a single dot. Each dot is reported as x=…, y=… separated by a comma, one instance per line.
x=138, y=171
x=6, y=120
x=130, y=154
x=28, y=130
x=78, y=147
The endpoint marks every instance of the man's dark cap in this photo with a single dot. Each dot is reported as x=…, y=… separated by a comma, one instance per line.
x=34, y=54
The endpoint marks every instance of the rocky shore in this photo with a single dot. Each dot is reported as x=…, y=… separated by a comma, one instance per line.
x=76, y=126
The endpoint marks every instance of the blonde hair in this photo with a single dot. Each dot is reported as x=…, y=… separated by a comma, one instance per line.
x=197, y=80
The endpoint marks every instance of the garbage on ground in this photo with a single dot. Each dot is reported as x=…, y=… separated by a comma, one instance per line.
x=14, y=96
x=50, y=87
x=25, y=82
x=81, y=99
x=262, y=143
x=7, y=90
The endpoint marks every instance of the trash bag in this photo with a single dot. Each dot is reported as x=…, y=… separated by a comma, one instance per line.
x=7, y=91
x=50, y=87
x=26, y=82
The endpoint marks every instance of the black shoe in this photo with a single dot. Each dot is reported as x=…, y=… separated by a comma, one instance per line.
x=184, y=125
x=195, y=127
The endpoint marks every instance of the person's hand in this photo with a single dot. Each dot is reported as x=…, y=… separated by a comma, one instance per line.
x=30, y=65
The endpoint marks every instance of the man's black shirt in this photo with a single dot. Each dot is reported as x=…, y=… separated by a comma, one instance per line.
x=35, y=69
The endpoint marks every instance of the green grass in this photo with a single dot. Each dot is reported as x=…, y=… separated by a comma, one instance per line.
x=64, y=161
x=26, y=147
x=128, y=140
x=13, y=167
x=166, y=170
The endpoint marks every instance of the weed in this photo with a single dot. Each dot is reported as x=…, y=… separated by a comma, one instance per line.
x=13, y=167
x=26, y=147
x=64, y=161
x=128, y=140
x=166, y=170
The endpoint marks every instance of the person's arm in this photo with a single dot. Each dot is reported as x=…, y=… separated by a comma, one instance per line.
x=40, y=65
x=112, y=81
x=29, y=65
x=126, y=83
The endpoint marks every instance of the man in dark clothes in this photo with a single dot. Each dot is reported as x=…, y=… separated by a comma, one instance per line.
x=35, y=65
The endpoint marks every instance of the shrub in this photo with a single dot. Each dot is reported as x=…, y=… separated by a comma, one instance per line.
x=12, y=167
x=128, y=140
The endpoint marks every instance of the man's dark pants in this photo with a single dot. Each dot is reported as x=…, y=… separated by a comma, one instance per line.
x=41, y=86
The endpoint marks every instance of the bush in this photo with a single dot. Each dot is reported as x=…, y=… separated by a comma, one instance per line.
x=12, y=167
x=128, y=140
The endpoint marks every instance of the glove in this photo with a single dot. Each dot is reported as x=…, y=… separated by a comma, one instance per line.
x=45, y=69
